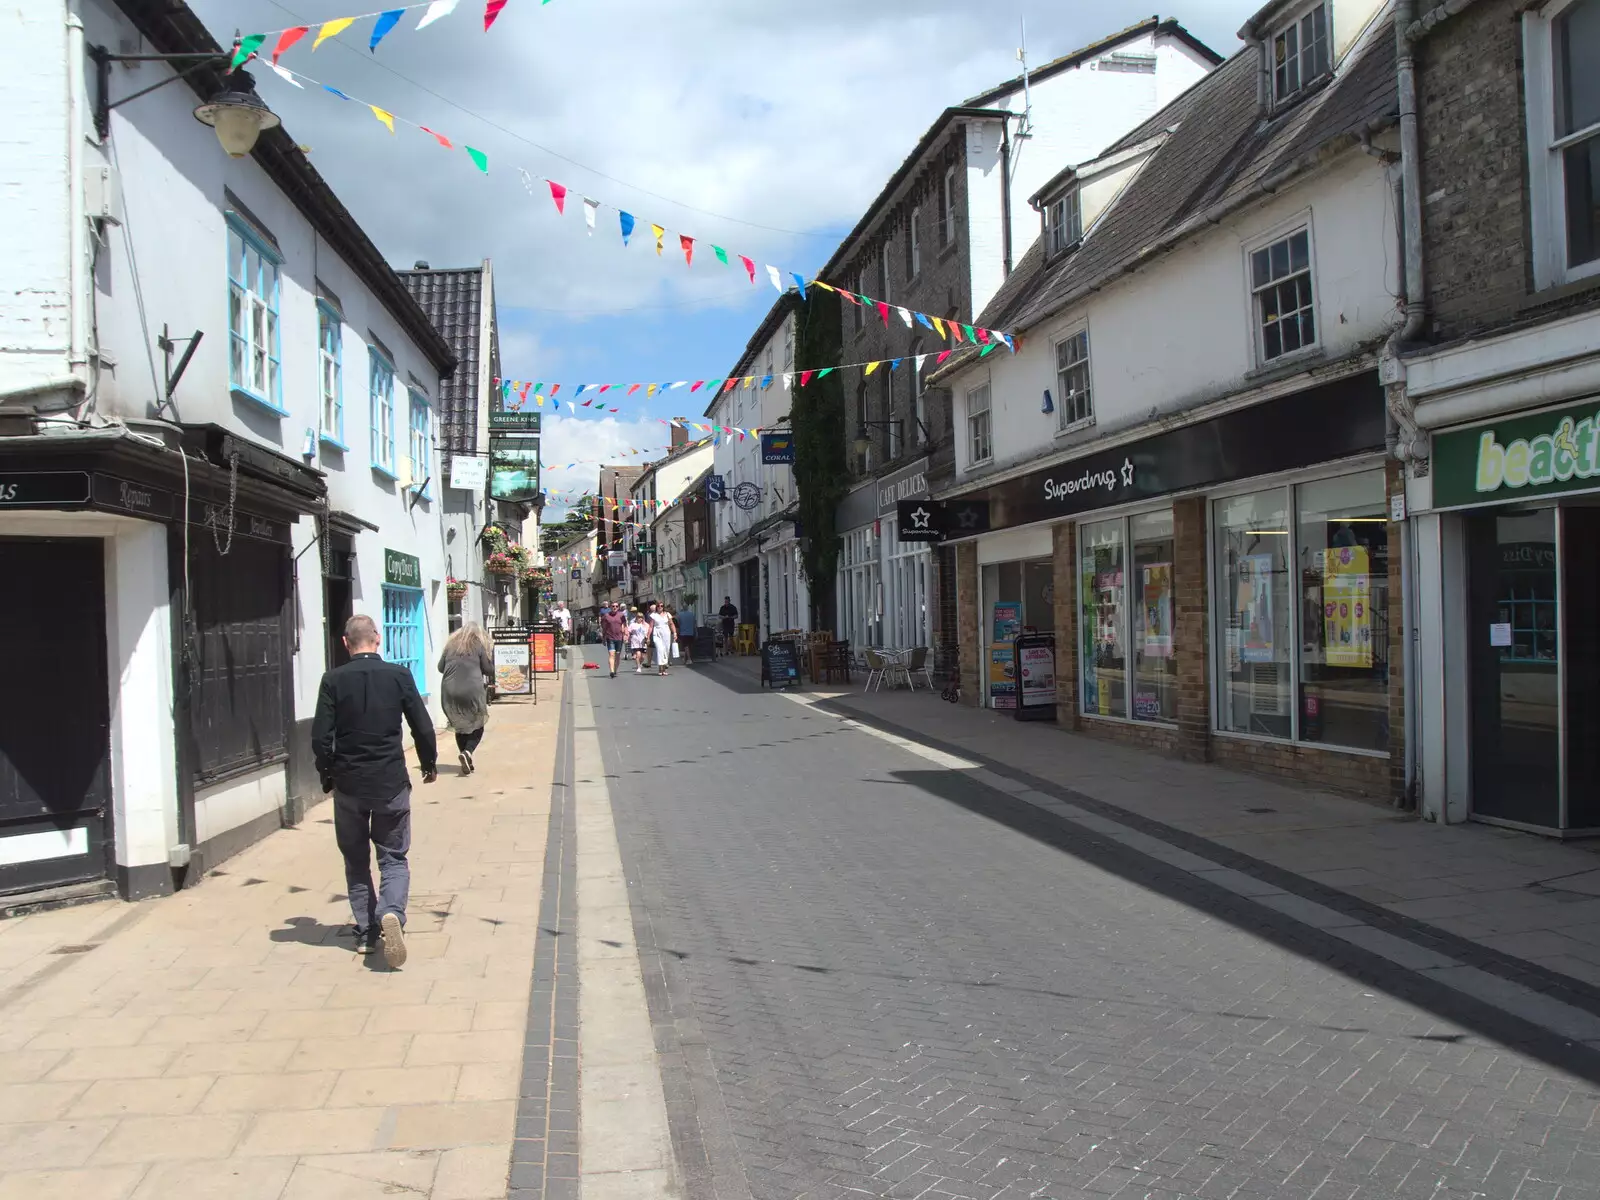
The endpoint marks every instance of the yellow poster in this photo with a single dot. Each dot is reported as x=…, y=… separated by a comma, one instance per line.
x=1347, y=607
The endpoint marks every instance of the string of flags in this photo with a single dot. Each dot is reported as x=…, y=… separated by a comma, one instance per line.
x=517, y=394
x=383, y=23
x=945, y=328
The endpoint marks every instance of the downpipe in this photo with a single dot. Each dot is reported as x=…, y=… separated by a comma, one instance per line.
x=77, y=211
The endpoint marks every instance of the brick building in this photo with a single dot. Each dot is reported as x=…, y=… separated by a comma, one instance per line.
x=941, y=238
x=1495, y=395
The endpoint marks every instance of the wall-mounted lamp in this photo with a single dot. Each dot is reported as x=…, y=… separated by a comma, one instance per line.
x=234, y=111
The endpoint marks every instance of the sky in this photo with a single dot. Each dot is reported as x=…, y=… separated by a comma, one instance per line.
x=763, y=127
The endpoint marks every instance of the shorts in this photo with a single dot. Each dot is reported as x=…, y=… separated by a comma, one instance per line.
x=615, y=645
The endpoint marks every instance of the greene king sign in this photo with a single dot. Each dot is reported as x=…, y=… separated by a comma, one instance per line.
x=1540, y=455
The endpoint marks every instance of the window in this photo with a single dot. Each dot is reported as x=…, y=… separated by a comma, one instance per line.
x=381, y=377
x=788, y=345
x=421, y=441
x=1074, y=406
x=914, y=244
x=1300, y=53
x=1303, y=612
x=1063, y=222
x=1102, y=598
x=330, y=338
x=919, y=401
x=253, y=349
x=947, y=208
x=1128, y=614
x=979, y=447
x=1280, y=279
x=862, y=444
x=404, y=635
x=1562, y=51
x=883, y=274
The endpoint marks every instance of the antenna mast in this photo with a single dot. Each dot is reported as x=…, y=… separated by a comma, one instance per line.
x=1026, y=128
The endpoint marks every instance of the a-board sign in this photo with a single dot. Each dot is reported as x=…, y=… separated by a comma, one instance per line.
x=544, y=652
x=513, y=674
x=780, y=665
x=1035, y=660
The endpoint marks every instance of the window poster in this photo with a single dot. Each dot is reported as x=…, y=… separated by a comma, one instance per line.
x=1002, y=675
x=1253, y=606
x=1157, y=599
x=1347, y=607
x=1005, y=620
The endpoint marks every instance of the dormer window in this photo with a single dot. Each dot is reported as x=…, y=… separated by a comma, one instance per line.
x=1300, y=54
x=1063, y=222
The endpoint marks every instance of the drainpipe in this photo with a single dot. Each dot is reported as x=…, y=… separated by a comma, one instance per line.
x=77, y=216
x=1408, y=441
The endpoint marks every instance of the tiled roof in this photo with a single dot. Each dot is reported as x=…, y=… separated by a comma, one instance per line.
x=1220, y=151
x=453, y=300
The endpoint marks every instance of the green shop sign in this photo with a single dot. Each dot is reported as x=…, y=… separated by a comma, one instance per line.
x=1545, y=454
x=402, y=570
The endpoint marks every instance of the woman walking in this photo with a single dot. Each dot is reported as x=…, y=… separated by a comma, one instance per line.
x=638, y=640
x=467, y=666
x=663, y=632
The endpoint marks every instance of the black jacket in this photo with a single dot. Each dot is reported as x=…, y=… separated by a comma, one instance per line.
x=356, y=733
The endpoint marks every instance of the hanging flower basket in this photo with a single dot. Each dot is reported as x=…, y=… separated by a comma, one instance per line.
x=454, y=588
x=501, y=563
x=494, y=540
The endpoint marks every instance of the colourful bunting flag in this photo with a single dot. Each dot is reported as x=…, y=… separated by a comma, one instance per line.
x=590, y=207
x=799, y=282
x=696, y=385
x=245, y=48
x=905, y=315
x=777, y=280
x=335, y=91
x=825, y=372
x=288, y=38
x=805, y=377
x=660, y=233
x=558, y=193
x=386, y=21
x=938, y=327
x=985, y=351
x=922, y=319
x=750, y=266
x=687, y=243
x=633, y=389
x=332, y=28
x=883, y=311
x=971, y=336
x=871, y=367
x=284, y=75
x=943, y=354
x=386, y=117
x=439, y=8
x=490, y=12
x=443, y=141
x=722, y=255
x=626, y=219
x=479, y=158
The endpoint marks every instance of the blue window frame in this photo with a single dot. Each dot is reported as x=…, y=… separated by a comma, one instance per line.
x=421, y=443
x=404, y=634
x=254, y=352
x=382, y=412
x=330, y=363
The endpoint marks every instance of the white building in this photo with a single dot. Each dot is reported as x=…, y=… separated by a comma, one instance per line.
x=1193, y=429
x=756, y=543
x=221, y=446
x=657, y=522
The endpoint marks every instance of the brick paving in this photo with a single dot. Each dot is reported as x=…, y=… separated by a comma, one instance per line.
x=877, y=976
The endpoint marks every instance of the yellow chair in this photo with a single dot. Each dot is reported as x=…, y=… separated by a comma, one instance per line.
x=744, y=639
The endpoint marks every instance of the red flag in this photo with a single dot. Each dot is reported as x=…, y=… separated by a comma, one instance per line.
x=588, y=402
x=288, y=38
x=943, y=354
x=732, y=383
x=554, y=388
x=983, y=336
x=883, y=311
x=525, y=388
x=443, y=141
x=633, y=389
x=604, y=387
x=750, y=266
x=559, y=195
x=687, y=243
x=697, y=385
x=490, y=12
x=805, y=377
x=850, y=296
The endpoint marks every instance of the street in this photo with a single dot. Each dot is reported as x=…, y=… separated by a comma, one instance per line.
x=880, y=977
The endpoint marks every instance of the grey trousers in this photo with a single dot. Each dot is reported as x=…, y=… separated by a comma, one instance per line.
x=361, y=826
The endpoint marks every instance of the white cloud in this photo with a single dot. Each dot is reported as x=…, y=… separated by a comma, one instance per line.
x=589, y=442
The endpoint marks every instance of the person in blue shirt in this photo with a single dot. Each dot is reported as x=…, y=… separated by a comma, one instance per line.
x=686, y=629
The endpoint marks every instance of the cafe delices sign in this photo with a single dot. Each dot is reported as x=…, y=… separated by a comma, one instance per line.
x=1540, y=455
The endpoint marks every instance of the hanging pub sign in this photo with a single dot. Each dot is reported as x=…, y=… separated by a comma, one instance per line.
x=777, y=447
x=716, y=488
x=514, y=455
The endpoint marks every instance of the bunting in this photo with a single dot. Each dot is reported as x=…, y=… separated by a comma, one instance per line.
x=384, y=22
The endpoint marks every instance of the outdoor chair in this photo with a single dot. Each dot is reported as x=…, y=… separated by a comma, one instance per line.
x=919, y=666
x=877, y=668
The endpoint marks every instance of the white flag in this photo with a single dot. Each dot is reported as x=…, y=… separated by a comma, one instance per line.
x=284, y=74
x=777, y=279
x=905, y=315
x=589, y=208
x=921, y=358
x=788, y=381
x=439, y=8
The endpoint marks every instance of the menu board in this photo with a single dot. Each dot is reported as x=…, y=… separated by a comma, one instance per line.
x=780, y=665
x=544, y=652
x=513, y=674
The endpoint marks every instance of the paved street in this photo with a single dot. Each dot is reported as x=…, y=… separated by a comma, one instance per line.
x=873, y=974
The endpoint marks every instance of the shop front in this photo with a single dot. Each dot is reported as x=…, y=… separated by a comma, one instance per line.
x=858, y=602
x=907, y=565
x=1223, y=590
x=1513, y=513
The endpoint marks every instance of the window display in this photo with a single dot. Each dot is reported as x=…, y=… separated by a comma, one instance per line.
x=1102, y=621
x=1253, y=613
x=1155, y=687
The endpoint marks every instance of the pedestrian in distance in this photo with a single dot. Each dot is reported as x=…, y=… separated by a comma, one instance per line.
x=614, y=633
x=638, y=640
x=663, y=635
x=467, y=665
x=729, y=613
x=687, y=625
x=355, y=740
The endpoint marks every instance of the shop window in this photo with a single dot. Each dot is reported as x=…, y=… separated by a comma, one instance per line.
x=404, y=634
x=980, y=447
x=1562, y=52
x=330, y=341
x=1102, y=626
x=1017, y=597
x=1252, y=543
x=1280, y=284
x=1076, y=407
x=1155, y=663
x=1300, y=53
x=254, y=352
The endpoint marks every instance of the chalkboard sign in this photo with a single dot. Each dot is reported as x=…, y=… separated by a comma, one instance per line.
x=1035, y=658
x=780, y=665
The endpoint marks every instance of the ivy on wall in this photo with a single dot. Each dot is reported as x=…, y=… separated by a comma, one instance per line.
x=821, y=474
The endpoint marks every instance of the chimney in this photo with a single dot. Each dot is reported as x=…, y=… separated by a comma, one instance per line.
x=421, y=265
x=680, y=436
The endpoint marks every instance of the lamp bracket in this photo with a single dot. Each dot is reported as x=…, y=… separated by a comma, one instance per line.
x=103, y=59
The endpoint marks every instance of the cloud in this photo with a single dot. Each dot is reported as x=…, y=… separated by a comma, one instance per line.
x=589, y=442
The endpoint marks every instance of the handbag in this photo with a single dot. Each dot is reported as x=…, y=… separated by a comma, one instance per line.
x=674, y=649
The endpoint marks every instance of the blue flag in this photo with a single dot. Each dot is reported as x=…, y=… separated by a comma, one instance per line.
x=627, y=226
x=386, y=21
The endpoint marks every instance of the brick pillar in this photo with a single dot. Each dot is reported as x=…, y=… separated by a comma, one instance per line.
x=1064, y=549
x=967, y=615
x=1192, y=635
x=1395, y=478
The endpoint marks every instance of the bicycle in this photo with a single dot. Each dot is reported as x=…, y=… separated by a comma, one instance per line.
x=952, y=691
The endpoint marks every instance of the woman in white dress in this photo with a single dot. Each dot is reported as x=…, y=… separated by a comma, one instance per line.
x=663, y=632
x=638, y=640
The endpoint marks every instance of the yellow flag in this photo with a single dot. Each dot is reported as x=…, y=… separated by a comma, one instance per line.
x=825, y=286
x=332, y=28
x=749, y=381
x=386, y=117
x=873, y=366
x=939, y=325
x=651, y=390
x=660, y=233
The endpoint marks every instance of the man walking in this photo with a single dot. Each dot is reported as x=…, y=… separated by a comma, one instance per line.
x=613, y=632
x=564, y=620
x=729, y=615
x=360, y=758
x=686, y=630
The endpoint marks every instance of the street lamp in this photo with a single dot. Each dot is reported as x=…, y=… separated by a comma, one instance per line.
x=237, y=114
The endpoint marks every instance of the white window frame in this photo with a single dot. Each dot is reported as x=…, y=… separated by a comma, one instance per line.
x=771, y=371
x=254, y=288
x=980, y=433
x=1546, y=169
x=381, y=384
x=1296, y=28
x=914, y=241
x=1063, y=222
x=1282, y=233
x=330, y=373
x=947, y=202
x=419, y=422
x=788, y=344
x=1067, y=420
